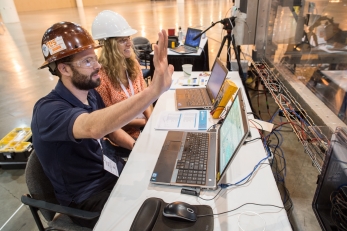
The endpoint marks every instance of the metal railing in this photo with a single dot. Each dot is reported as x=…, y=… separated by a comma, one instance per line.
x=313, y=138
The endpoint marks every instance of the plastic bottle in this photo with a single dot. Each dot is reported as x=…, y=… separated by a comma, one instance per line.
x=180, y=34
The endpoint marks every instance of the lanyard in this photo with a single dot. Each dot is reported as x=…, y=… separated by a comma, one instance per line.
x=140, y=116
x=130, y=85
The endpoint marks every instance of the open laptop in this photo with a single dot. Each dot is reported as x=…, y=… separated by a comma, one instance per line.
x=190, y=45
x=203, y=98
x=200, y=159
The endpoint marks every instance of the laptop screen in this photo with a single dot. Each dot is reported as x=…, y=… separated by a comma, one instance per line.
x=191, y=33
x=216, y=80
x=232, y=132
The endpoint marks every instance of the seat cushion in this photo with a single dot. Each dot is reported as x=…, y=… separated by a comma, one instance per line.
x=63, y=222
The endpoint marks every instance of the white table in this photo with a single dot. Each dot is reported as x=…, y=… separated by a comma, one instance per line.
x=200, y=59
x=202, y=44
x=134, y=187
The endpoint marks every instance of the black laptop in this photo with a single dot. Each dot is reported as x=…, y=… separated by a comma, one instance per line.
x=190, y=45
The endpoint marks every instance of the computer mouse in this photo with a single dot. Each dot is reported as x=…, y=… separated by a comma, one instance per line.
x=180, y=210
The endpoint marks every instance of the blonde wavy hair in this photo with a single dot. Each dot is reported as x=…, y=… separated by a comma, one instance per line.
x=112, y=61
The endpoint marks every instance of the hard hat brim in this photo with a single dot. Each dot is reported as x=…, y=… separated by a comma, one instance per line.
x=125, y=33
x=55, y=58
x=129, y=32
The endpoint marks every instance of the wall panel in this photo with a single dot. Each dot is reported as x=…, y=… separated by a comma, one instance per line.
x=34, y=5
x=105, y=2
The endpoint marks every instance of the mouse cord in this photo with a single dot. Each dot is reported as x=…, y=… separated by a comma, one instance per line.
x=249, y=213
x=212, y=197
x=215, y=214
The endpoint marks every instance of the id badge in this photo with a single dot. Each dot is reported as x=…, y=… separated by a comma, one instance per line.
x=110, y=166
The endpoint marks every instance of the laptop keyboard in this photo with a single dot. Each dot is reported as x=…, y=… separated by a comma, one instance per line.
x=195, y=97
x=189, y=48
x=193, y=164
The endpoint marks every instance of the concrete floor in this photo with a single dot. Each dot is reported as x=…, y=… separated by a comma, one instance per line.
x=21, y=85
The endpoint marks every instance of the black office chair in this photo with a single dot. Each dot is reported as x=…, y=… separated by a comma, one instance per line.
x=143, y=48
x=42, y=198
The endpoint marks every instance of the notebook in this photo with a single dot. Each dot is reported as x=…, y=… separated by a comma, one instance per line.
x=203, y=98
x=190, y=45
x=200, y=159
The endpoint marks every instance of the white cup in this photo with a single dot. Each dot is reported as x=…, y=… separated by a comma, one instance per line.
x=187, y=70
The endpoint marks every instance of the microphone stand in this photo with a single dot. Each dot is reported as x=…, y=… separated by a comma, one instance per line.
x=228, y=27
x=228, y=37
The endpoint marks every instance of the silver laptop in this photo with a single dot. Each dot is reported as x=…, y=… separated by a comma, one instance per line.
x=190, y=45
x=203, y=98
x=200, y=159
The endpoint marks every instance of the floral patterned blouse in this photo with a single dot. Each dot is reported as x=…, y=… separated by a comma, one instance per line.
x=111, y=95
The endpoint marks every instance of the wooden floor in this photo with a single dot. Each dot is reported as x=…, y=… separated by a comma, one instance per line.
x=22, y=84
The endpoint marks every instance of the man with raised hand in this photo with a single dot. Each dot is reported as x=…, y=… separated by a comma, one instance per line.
x=69, y=122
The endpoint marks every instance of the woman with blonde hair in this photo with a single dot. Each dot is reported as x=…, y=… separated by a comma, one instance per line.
x=121, y=75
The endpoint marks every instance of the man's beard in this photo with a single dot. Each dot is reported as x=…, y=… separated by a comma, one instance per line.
x=84, y=82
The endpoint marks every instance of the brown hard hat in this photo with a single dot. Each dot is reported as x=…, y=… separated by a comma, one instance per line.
x=64, y=39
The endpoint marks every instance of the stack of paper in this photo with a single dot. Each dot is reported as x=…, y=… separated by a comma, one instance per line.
x=183, y=120
x=189, y=82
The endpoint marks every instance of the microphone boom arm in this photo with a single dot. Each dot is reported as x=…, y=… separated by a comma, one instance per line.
x=212, y=25
x=226, y=22
x=229, y=24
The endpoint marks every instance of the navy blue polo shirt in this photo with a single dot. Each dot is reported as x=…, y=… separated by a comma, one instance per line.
x=74, y=166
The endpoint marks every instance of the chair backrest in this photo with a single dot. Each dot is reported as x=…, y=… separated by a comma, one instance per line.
x=39, y=185
x=143, y=48
x=142, y=43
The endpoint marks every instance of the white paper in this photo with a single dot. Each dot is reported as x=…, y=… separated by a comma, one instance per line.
x=197, y=82
x=110, y=166
x=183, y=120
x=261, y=125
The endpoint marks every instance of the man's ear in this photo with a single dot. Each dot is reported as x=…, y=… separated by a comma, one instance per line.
x=64, y=69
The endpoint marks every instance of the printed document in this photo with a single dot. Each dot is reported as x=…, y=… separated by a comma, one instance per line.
x=183, y=120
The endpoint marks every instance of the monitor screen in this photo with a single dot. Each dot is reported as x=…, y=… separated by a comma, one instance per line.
x=216, y=80
x=191, y=33
x=232, y=132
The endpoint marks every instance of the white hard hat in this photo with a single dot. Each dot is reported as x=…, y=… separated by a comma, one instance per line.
x=108, y=24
